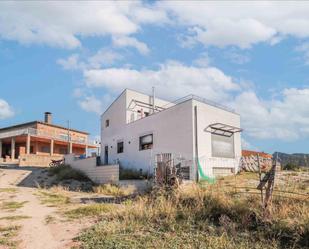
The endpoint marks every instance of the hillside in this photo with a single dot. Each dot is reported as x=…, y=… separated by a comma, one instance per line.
x=298, y=159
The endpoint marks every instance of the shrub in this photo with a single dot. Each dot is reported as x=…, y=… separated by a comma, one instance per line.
x=113, y=189
x=66, y=172
x=291, y=166
x=131, y=174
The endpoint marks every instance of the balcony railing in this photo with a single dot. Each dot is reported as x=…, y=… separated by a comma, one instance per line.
x=42, y=133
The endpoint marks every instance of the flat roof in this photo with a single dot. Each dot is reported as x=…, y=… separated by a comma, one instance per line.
x=39, y=122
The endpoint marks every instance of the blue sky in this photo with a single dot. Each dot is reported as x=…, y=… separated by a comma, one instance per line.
x=74, y=58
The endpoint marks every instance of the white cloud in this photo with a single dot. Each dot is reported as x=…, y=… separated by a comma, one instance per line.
x=6, y=111
x=284, y=118
x=171, y=80
x=237, y=57
x=62, y=24
x=103, y=57
x=239, y=23
x=125, y=41
x=91, y=104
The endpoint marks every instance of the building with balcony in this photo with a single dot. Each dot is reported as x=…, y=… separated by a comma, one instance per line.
x=202, y=136
x=36, y=143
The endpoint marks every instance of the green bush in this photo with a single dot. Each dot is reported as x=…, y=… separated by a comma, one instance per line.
x=66, y=172
x=291, y=166
x=131, y=174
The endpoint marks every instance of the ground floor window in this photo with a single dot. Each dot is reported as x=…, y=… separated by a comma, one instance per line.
x=146, y=142
x=120, y=147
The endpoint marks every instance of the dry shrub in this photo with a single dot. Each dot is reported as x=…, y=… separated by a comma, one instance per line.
x=114, y=190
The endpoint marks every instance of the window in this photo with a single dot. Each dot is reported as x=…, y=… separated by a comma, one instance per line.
x=45, y=149
x=106, y=122
x=120, y=147
x=222, y=146
x=146, y=142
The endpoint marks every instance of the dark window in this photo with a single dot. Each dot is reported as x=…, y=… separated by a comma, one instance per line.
x=146, y=142
x=106, y=122
x=119, y=147
x=146, y=114
x=45, y=149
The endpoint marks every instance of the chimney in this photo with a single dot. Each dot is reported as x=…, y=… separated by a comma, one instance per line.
x=48, y=117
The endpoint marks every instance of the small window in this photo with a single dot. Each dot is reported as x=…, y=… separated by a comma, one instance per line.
x=146, y=142
x=146, y=114
x=106, y=122
x=120, y=147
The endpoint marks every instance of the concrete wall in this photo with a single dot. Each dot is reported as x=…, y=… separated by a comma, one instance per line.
x=172, y=133
x=98, y=174
x=206, y=115
x=37, y=160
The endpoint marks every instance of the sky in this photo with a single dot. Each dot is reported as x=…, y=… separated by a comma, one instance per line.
x=74, y=58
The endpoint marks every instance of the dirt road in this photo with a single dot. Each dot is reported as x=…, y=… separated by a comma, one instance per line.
x=35, y=231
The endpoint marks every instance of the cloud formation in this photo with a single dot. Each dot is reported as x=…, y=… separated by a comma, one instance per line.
x=6, y=111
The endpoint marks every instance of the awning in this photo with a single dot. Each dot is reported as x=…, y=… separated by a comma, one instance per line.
x=222, y=129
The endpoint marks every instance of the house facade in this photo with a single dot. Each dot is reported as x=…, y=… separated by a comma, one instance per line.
x=136, y=128
x=36, y=143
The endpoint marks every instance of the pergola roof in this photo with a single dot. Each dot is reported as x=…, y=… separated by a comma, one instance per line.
x=222, y=129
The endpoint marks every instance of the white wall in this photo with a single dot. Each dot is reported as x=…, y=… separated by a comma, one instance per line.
x=172, y=133
x=98, y=174
x=206, y=115
x=172, y=129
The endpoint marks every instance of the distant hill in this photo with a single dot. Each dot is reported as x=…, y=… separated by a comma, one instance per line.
x=298, y=159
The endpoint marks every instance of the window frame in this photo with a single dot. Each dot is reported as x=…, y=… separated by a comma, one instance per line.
x=149, y=145
x=120, y=142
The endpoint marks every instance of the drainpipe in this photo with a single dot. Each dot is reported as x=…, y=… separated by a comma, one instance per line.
x=196, y=143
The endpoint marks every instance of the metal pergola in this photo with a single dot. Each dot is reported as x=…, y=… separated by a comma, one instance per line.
x=222, y=129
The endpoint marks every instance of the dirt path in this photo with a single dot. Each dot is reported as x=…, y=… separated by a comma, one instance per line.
x=35, y=232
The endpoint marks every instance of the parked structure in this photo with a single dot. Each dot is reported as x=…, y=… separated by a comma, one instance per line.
x=36, y=143
x=199, y=134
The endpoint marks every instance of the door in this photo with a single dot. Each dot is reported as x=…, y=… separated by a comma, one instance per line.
x=106, y=154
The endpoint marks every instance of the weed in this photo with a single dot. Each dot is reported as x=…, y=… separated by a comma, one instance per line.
x=6, y=236
x=8, y=190
x=89, y=210
x=12, y=205
x=53, y=199
x=15, y=217
x=66, y=172
x=114, y=190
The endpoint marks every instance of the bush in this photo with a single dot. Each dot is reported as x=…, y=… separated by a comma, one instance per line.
x=66, y=172
x=131, y=174
x=291, y=166
x=114, y=190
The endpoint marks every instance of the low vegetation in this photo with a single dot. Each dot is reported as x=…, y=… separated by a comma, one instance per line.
x=8, y=190
x=15, y=217
x=54, y=197
x=12, y=205
x=66, y=172
x=131, y=174
x=7, y=235
x=203, y=216
x=92, y=210
x=114, y=190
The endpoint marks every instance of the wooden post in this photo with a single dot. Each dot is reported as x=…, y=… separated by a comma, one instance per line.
x=260, y=177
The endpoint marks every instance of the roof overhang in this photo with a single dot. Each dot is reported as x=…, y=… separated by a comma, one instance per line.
x=222, y=129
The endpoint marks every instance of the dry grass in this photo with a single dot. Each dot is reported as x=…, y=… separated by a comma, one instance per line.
x=93, y=210
x=56, y=196
x=203, y=216
x=12, y=205
x=114, y=190
x=7, y=235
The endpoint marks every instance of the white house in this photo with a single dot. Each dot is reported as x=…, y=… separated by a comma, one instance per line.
x=199, y=134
